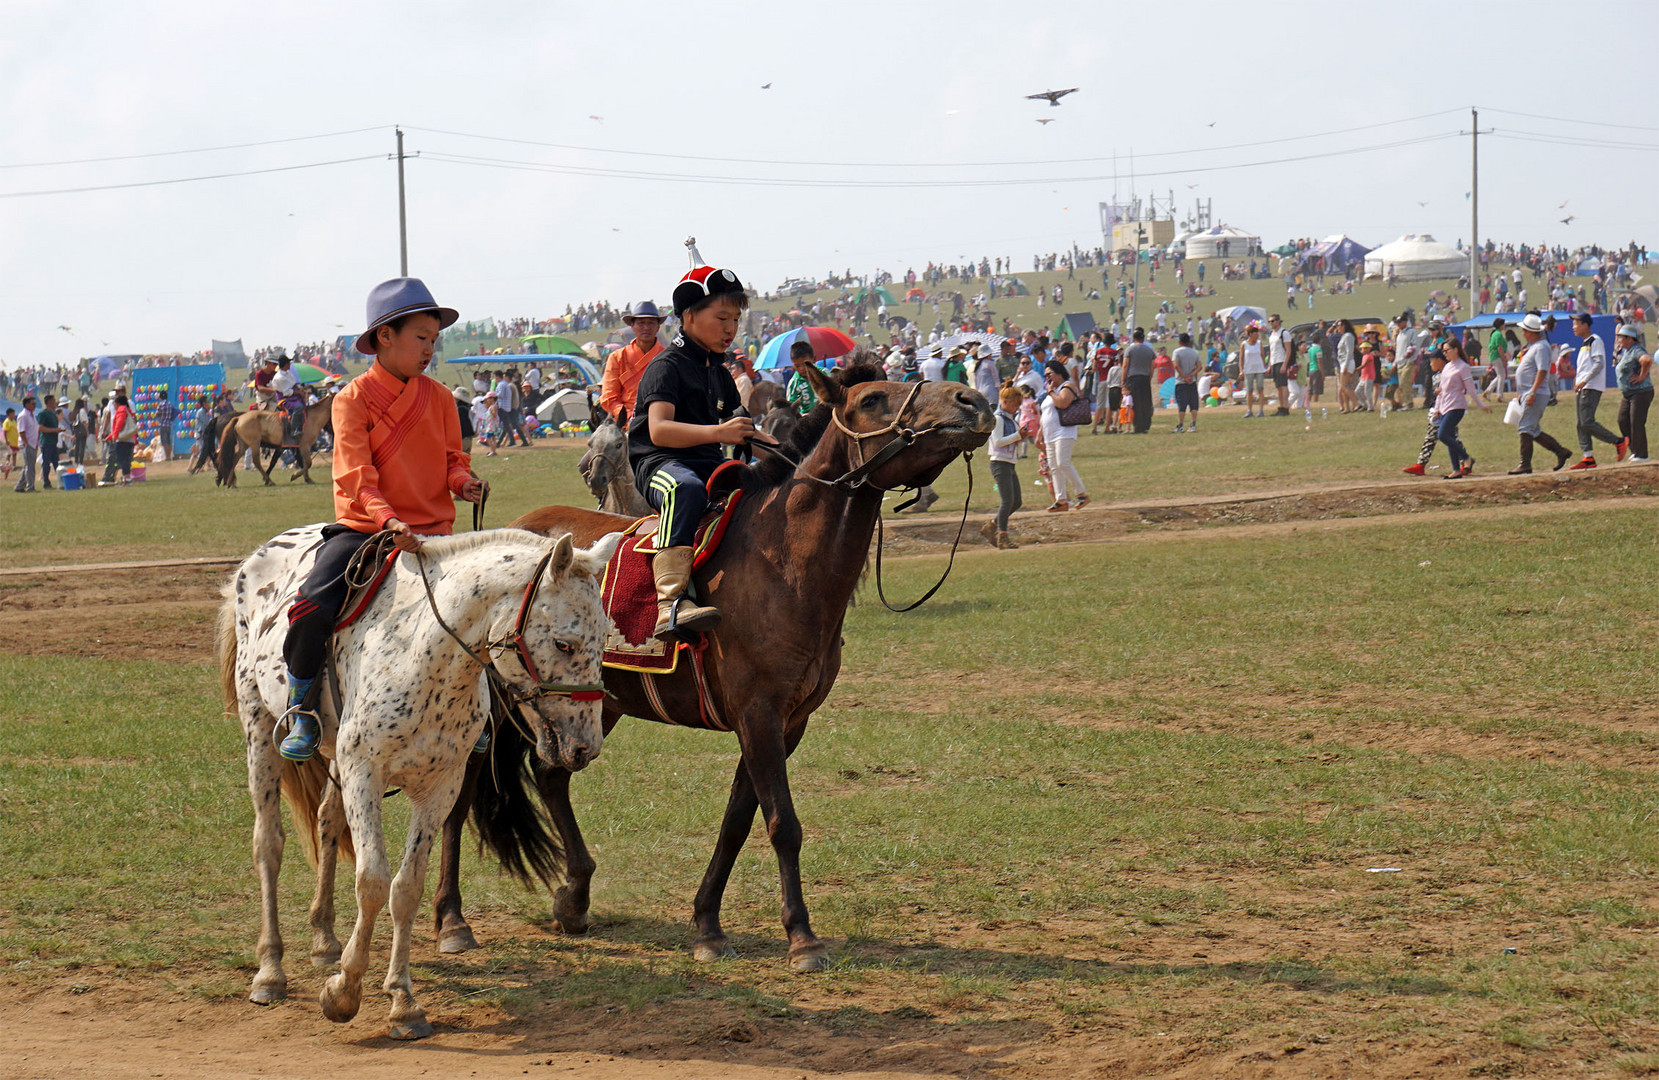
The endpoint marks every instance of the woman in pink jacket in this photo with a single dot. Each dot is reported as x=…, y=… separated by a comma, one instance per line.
x=1457, y=390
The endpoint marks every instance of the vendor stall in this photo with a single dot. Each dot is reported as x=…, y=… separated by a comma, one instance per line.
x=180, y=384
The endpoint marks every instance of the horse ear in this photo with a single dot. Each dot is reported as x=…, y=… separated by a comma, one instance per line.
x=564, y=553
x=828, y=390
x=593, y=559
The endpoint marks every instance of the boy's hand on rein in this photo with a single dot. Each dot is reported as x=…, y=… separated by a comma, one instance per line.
x=405, y=538
x=734, y=431
x=473, y=490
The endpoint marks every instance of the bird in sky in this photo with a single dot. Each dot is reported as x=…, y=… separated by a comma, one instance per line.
x=1210, y=124
x=1051, y=96
x=66, y=329
x=1045, y=120
x=1425, y=202
x=766, y=86
x=1564, y=203
x=1568, y=220
x=1191, y=186
x=600, y=119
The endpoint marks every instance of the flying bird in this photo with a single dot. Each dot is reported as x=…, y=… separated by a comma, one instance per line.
x=1210, y=124
x=600, y=119
x=1425, y=202
x=66, y=329
x=1191, y=186
x=766, y=86
x=1564, y=203
x=1568, y=220
x=1045, y=120
x=1051, y=96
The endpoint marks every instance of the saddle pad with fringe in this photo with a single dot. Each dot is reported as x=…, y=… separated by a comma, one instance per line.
x=629, y=591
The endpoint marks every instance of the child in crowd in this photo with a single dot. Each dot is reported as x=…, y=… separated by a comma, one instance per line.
x=1030, y=420
x=398, y=468
x=1003, y=450
x=13, y=440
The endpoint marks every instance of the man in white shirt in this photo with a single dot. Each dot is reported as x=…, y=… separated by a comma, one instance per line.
x=1278, y=365
x=285, y=378
x=933, y=366
x=985, y=377
x=1589, y=381
x=28, y=443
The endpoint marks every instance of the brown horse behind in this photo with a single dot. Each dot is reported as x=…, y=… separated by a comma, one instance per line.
x=260, y=429
x=783, y=578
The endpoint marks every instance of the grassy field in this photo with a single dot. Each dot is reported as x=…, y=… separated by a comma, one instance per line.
x=1089, y=797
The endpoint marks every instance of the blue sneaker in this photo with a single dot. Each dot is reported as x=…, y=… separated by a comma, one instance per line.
x=304, y=732
x=482, y=746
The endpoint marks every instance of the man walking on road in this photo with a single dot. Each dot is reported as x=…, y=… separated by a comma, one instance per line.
x=1138, y=363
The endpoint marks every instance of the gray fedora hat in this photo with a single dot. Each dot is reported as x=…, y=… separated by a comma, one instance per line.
x=395, y=298
x=645, y=309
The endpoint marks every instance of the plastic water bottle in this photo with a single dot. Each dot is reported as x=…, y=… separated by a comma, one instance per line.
x=1307, y=414
x=1322, y=412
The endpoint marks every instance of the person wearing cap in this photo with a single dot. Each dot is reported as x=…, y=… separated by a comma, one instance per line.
x=956, y=366
x=1635, y=371
x=986, y=379
x=684, y=412
x=932, y=366
x=626, y=366
x=1530, y=374
x=463, y=416
x=398, y=468
x=1588, y=381
x=265, y=395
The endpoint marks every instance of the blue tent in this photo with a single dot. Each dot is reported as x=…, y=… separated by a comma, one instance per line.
x=1601, y=326
x=1339, y=252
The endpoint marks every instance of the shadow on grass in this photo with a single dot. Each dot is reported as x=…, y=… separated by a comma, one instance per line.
x=629, y=988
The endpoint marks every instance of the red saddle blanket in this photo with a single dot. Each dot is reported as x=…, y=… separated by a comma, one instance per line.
x=629, y=591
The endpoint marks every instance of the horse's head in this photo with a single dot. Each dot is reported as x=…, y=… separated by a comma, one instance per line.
x=927, y=424
x=606, y=457
x=554, y=667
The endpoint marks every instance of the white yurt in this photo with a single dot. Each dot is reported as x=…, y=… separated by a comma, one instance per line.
x=1416, y=257
x=1207, y=244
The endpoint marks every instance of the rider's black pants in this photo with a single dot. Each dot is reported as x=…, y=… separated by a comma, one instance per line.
x=312, y=615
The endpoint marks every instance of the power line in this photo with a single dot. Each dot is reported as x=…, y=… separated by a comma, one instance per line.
x=1572, y=140
x=187, y=179
x=176, y=153
x=804, y=182
x=1566, y=120
x=918, y=164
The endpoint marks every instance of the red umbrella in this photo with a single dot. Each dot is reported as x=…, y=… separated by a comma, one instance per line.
x=828, y=342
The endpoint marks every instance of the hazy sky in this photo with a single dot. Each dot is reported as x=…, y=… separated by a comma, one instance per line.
x=883, y=123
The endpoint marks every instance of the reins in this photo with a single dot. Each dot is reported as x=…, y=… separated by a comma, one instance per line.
x=858, y=476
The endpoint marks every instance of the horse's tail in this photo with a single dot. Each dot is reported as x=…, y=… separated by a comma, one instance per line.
x=514, y=827
x=304, y=783
x=225, y=460
x=225, y=639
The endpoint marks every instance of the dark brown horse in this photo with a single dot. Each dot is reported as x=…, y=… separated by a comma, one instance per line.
x=783, y=579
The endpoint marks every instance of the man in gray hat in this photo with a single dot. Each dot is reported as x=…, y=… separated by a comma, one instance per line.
x=1530, y=375
x=626, y=366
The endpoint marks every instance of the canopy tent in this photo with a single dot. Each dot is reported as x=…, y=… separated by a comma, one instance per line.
x=1073, y=326
x=1602, y=326
x=1016, y=284
x=550, y=345
x=107, y=367
x=566, y=407
x=1338, y=252
x=1209, y=243
x=1587, y=267
x=1242, y=314
x=877, y=294
x=1646, y=299
x=585, y=371
x=1416, y=257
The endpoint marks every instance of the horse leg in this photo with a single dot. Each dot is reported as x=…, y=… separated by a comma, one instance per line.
x=276, y=456
x=331, y=818
x=454, y=935
x=342, y=994
x=711, y=942
x=270, y=984
x=570, y=900
x=426, y=820
x=767, y=755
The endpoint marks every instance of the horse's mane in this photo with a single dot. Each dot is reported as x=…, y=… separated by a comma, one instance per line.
x=455, y=544
x=770, y=470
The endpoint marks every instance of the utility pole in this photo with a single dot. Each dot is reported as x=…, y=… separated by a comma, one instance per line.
x=402, y=212
x=1135, y=304
x=1474, y=212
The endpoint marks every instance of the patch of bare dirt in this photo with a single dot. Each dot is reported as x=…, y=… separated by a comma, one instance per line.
x=164, y=614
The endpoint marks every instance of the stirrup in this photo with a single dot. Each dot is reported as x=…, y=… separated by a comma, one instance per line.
x=296, y=747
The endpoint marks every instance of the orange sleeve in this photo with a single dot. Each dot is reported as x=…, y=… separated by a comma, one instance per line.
x=357, y=498
x=610, y=385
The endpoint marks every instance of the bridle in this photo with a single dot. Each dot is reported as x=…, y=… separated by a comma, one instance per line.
x=514, y=640
x=859, y=477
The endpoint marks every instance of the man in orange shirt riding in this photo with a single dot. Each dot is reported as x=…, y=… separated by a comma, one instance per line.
x=398, y=467
x=627, y=365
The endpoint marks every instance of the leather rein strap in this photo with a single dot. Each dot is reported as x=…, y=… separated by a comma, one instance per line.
x=858, y=477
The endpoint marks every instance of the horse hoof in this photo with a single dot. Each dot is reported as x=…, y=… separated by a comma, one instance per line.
x=327, y=956
x=413, y=1028
x=713, y=949
x=458, y=940
x=339, y=1004
x=813, y=958
x=269, y=991
x=572, y=920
